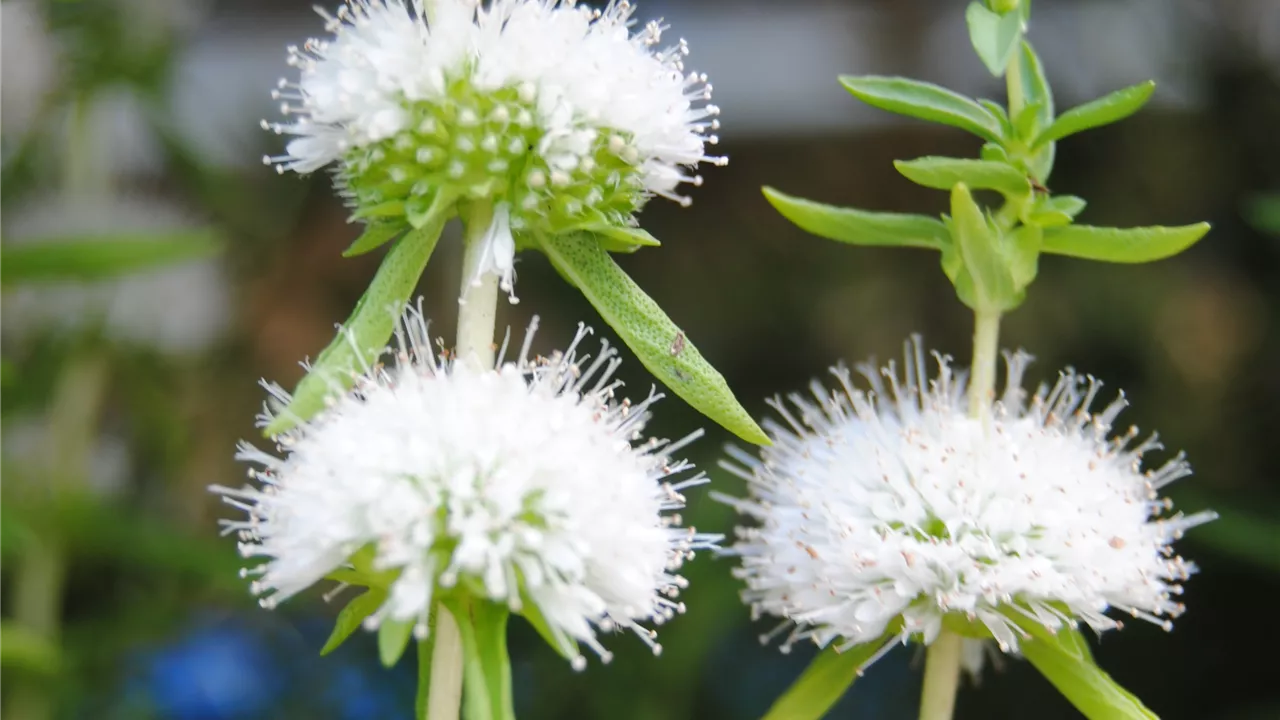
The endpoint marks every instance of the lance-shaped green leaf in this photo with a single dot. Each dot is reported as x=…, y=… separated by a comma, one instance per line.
x=859, y=227
x=652, y=336
x=426, y=212
x=994, y=35
x=944, y=173
x=619, y=238
x=486, y=670
x=1121, y=245
x=349, y=620
x=102, y=257
x=375, y=235
x=1035, y=85
x=393, y=638
x=1103, y=111
x=364, y=336
x=924, y=101
x=823, y=683
x=976, y=266
x=1065, y=661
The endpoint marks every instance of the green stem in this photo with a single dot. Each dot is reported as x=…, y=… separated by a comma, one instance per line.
x=942, y=663
x=477, y=314
x=941, y=677
x=444, y=693
x=478, y=306
x=40, y=579
x=1013, y=82
x=80, y=171
x=982, y=372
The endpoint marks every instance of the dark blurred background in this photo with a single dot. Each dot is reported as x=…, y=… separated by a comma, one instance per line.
x=123, y=398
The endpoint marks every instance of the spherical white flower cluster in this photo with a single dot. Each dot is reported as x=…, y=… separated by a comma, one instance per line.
x=523, y=484
x=554, y=112
x=881, y=513
x=178, y=309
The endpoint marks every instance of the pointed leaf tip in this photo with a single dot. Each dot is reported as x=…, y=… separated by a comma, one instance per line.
x=1121, y=245
x=364, y=336
x=924, y=101
x=1103, y=111
x=351, y=616
x=660, y=345
x=859, y=227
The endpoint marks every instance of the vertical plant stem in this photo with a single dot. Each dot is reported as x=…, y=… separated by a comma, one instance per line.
x=478, y=306
x=982, y=372
x=80, y=171
x=1013, y=84
x=942, y=663
x=40, y=579
x=941, y=677
x=477, y=313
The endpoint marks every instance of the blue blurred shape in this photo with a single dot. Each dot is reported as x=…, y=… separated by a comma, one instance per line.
x=219, y=672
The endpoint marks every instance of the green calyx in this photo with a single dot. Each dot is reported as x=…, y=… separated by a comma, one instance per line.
x=487, y=146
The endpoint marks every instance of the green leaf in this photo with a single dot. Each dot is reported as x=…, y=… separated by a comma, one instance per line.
x=80, y=258
x=620, y=238
x=822, y=684
x=22, y=649
x=422, y=212
x=982, y=277
x=1103, y=111
x=943, y=173
x=393, y=638
x=1065, y=661
x=1067, y=204
x=652, y=336
x=1049, y=211
x=349, y=620
x=1035, y=85
x=375, y=235
x=364, y=336
x=924, y=101
x=994, y=36
x=555, y=637
x=1024, y=257
x=486, y=672
x=994, y=152
x=859, y=227
x=1122, y=245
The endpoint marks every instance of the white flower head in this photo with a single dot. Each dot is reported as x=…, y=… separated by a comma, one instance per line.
x=524, y=484
x=556, y=110
x=882, y=512
x=177, y=309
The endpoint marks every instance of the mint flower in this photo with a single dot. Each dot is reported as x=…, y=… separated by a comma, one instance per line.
x=886, y=514
x=524, y=485
x=556, y=114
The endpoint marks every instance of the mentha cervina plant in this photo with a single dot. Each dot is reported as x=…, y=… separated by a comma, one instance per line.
x=542, y=125
x=935, y=510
